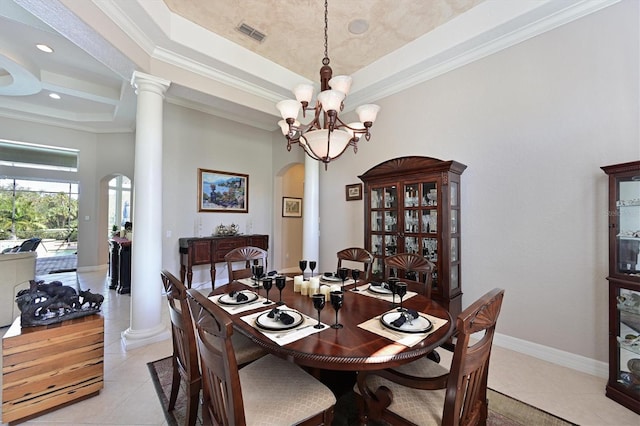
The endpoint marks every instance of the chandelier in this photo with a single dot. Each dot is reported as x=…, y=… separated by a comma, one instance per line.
x=325, y=137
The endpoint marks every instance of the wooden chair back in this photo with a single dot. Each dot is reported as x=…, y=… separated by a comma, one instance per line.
x=185, y=352
x=413, y=267
x=356, y=254
x=222, y=402
x=247, y=254
x=465, y=396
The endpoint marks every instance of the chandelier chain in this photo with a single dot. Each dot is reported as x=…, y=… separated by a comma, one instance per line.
x=325, y=61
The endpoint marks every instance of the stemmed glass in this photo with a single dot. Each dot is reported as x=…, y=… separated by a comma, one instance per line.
x=392, y=286
x=343, y=273
x=259, y=273
x=312, y=265
x=280, y=283
x=336, y=298
x=401, y=290
x=267, y=283
x=318, y=303
x=303, y=266
x=355, y=274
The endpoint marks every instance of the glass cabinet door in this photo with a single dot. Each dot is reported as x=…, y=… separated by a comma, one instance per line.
x=628, y=337
x=385, y=225
x=628, y=229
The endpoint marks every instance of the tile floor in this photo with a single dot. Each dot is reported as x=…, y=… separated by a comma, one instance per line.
x=128, y=397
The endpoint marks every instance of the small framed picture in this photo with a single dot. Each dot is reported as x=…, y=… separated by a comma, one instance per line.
x=354, y=192
x=291, y=207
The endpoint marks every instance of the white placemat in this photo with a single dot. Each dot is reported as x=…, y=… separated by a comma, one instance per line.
x=287, y=336
x=236, y=309
x=364, y=290
x=407, y=339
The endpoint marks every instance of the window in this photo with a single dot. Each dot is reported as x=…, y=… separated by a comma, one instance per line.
x=20, y=154
x=119, y=203
x=33, y=208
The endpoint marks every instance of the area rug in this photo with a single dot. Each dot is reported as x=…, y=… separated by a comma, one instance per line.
x=503, y=410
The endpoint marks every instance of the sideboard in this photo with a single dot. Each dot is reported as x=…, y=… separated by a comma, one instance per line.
x=211, y=250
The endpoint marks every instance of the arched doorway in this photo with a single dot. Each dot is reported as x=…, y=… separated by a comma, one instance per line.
x=287, y=235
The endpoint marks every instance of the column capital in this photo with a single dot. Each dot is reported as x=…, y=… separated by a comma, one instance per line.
x=147, y=82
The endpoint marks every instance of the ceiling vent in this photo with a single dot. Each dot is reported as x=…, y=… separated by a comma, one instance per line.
x=251, y=32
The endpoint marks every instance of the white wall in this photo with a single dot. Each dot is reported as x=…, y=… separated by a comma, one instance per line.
x=195, y=140
x=533, y=123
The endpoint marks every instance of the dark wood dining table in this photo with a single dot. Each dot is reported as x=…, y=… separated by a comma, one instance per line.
x=350, y=348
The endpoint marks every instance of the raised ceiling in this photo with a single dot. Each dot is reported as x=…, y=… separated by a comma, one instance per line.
x=214, y=68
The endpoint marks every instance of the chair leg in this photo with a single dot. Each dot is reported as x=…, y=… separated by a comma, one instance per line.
x=175, y=386
x=194, y=400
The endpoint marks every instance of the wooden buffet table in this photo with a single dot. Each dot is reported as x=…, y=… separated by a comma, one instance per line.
x=350, y=348
x=47, y=367
x=211, y=250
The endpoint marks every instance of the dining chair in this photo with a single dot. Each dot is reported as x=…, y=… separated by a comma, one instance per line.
x=360, y=255
x=413, y=266
x=247, y=254
x=185, y=352
x=426, y=393
x=276, y=391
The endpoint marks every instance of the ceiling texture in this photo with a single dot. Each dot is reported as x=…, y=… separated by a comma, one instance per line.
x=218, y=69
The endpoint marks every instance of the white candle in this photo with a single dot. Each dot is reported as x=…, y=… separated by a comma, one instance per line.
x=336, y=287
x=325, y=289
x=304, y=288
x=297, y=281
x=314, y=286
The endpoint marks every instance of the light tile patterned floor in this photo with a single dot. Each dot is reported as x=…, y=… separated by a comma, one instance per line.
x=129, y=398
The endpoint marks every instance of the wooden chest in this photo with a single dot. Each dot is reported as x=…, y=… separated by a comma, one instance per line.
x=50, y=366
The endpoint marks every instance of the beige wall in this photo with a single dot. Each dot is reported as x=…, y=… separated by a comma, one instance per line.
x=533, y=123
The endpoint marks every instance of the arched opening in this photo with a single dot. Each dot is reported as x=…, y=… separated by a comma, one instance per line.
x=287, y=235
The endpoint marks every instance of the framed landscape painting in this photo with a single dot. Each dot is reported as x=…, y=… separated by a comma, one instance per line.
x=222, y=191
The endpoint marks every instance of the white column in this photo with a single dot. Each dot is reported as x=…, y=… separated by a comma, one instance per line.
x=145, y=325
x=311, y=210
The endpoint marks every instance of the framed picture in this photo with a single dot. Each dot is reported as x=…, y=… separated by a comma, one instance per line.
x=354, y=192
x=291, y=207
x=224, y=192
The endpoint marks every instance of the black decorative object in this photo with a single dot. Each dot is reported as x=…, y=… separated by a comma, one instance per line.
x=44, y=304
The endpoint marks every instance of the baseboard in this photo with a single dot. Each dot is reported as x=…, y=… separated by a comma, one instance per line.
x=555, y=356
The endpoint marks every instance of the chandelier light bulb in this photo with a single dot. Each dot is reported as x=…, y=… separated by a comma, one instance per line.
x=331, y=99
x=303, y=92
x=288, y=108
x=367, y=113
x=341, y=83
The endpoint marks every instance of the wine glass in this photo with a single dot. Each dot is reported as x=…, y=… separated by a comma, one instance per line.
x=401, y=290
x=343, y=273
x=259, y=274
x=355, y=274
x=280, y=283
x=267, y=283
x=312, y=265
x=392, y=281
x=303, y=266
x=318, y=303
x=336, y=298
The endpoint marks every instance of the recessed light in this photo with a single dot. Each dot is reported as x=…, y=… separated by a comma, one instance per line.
x=44, y=48
x=358, y=26
x=54, y=96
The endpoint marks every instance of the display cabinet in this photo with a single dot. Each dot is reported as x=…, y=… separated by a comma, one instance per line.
x=623, y=385
x=412, y=205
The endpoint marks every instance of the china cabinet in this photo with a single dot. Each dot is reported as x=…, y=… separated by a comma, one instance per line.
x=624, y=284
x=412, y=205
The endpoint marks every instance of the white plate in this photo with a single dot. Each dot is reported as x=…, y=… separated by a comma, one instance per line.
x=225, y=299
x=416, y=325
x=266, y=323
x=331, y=279
x=379, y=289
